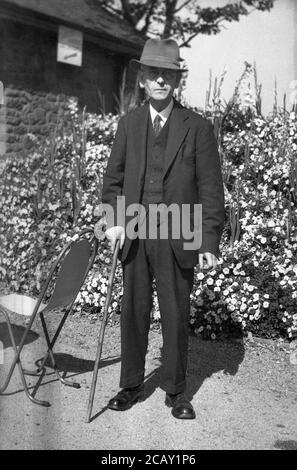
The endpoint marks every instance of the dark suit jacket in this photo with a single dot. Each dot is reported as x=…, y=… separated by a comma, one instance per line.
x=192, y=173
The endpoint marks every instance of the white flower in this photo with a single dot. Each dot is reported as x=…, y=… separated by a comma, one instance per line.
x=270, y=223
x=265, y=304
x=103, y=289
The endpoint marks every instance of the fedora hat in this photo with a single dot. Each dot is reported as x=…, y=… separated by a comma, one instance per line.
x=162, y=53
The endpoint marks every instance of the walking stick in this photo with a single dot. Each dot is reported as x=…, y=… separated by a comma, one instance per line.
x=102, y=330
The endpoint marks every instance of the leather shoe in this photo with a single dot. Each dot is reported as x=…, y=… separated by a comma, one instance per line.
x=126, y=398
x=181, y=406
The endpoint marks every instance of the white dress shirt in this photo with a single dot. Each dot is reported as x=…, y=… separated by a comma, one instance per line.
x=164, y=114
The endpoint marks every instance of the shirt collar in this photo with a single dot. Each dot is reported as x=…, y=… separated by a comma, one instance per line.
x=164, y=114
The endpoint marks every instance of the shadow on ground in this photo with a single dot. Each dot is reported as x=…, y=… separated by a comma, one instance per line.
x=205, y=359
x=286, y=445
x=18, y=332
x=69, y=363
x=66, y=364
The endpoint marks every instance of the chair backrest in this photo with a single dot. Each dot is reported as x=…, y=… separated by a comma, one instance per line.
x=72, y=272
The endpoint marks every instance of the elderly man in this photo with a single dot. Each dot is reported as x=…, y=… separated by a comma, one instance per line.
x=162, y=153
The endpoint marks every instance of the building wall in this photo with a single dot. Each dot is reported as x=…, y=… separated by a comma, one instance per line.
x=28, y=59
x=36, y=84
x=269, y=39
x=27, y=116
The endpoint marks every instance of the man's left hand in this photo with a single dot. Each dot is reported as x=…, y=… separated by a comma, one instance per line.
x=207, y=260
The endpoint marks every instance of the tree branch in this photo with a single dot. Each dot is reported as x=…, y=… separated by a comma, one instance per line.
x=190, y=38
x=169, y=17
x=148, y=16
x=182, y=6
x=153, y=16
x=127, y=13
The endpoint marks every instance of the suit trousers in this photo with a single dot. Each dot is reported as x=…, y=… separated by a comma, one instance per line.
x=150, y=259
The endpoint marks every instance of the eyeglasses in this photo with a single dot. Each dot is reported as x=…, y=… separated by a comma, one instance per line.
x=155, y=72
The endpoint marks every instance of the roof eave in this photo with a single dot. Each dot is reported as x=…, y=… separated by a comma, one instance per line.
x=33, y=18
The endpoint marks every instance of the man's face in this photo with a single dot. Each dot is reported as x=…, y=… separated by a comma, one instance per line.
x=159, y=83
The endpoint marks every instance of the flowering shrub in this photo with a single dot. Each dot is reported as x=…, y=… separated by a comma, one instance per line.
x=52, y=194
x=256, y=283
x=47, y=198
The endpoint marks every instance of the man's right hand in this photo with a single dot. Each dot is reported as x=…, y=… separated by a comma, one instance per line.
x=113, y=234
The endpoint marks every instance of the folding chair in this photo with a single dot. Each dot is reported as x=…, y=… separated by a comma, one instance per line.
x=70, y=268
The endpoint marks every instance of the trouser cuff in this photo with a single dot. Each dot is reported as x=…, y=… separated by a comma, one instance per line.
x=132, y=381
x=172, y=389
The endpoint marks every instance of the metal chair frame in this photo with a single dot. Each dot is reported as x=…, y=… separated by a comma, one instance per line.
x=40, y=371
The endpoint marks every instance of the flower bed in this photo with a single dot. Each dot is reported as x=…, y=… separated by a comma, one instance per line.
x=52, y=194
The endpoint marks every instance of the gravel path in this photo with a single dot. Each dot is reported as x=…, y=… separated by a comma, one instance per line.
x=244, y=393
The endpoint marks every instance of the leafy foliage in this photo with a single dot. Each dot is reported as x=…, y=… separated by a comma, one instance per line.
x=183, y=19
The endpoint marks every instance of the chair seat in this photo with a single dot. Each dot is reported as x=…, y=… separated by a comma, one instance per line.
x=20, y=304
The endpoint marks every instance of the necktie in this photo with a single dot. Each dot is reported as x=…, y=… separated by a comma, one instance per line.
x=157, y=124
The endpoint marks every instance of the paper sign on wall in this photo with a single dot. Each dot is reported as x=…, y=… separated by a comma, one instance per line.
x=70, y=43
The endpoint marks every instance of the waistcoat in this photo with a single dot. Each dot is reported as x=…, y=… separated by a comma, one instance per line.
x=155, y=155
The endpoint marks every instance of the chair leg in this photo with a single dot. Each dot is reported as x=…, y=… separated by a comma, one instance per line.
x=50, y=343
x=22, y=372
x=29, y=395
x=50, y=354
x=35, y=373
x=69, y=383
x=12, y=367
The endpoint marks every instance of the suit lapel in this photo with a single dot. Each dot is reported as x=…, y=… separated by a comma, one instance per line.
x=140, y=126
x=178, y=130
